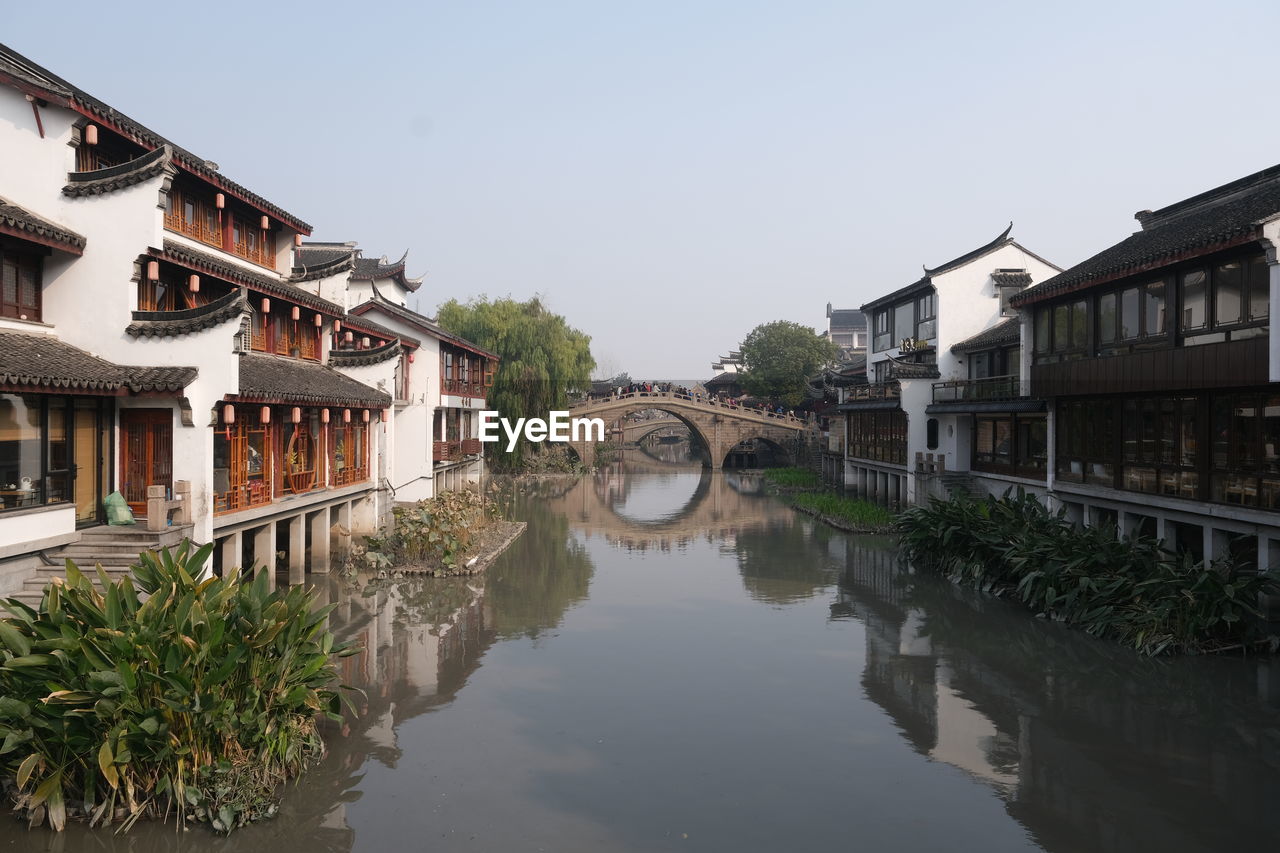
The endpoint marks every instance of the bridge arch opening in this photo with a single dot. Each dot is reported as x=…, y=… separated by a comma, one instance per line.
x=757, y=452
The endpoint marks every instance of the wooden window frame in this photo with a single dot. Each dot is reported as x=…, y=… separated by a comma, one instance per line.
x=18, y=260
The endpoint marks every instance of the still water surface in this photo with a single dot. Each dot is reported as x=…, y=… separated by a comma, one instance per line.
x=669, y=659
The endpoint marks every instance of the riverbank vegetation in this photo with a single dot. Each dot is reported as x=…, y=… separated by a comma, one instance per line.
x=161, y=694
x=443, y=536
x=1127, y=589
x=803, y=490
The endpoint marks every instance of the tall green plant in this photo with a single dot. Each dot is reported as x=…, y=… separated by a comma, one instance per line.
x=162, y=692
x=1130, y=589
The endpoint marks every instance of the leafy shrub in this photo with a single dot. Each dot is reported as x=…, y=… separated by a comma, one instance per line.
x=440, y=529
x=162, y=692
x=1130, y=590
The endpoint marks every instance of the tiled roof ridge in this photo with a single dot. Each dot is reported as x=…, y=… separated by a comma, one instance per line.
x=164, y=324
x=18, y=218
x=364, y=357
x=1151, y=219
x=972, y=254
x=188, y=256
x=45, y=361
x=137, y=170
x=1006, y=331
x=19, y=66
x=425, y=323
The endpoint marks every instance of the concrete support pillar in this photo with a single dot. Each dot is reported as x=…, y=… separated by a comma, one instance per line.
x=320, y=544
x=342, y=530
x=297, y=550
x=1164, y=532
x=232, y=550
x=264, y=552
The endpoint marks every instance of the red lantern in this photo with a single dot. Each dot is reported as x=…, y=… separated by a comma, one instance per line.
x=266, y=223
x=364, y=342
x=266, y=414
x=350, y=337
x=297, y=313
x=296, y=415
x=219, y=201
x=266, y=305
x=193, y=283
x=365, y=415
x=386, y=416
x=153, y=270
x=346, y=416
x=297, y=240
x=91, y=135
x=319, y=321
x=229, y=414
x=324, y=416
x=337, y=326
x=411, y=356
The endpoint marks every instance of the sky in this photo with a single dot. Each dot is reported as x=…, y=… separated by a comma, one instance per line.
x=669, y=175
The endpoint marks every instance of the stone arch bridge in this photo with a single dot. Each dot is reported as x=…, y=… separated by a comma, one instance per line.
x=719, y=426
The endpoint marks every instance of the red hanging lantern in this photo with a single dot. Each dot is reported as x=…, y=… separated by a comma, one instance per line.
x=266, y=305
x=228, y=414
x=296, y=415
x=346, y=416
x=266, y=223
x=297, y=313
x=364, y=415
x=324, y=416
x=386, y=416
x=364, y=342
x=337, y=326
x=91, y=135
x=266, y=414
x=350, y=337
x=319, y=321
x=297, y=240
x=219, y=201
x=193, y=283
x=153, y=270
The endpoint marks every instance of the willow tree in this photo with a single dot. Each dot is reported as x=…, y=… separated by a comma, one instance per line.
x=779, y=357
x=544, y=359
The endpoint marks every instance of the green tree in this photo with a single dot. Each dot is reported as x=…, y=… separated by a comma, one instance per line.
x=778, y=357
x=544, y=359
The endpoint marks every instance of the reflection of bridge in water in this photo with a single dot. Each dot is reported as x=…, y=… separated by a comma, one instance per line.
x=719, y=427
x=1095, y=753
x=713, y=505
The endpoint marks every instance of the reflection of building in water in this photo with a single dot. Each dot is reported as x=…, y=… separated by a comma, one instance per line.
x=1097, y=751
x=421, y=639
x=696, y=504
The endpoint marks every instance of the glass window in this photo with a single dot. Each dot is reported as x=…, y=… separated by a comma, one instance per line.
x=1042, y=330
x=1259, y=288
x=1107, y=318
x=1228, y=290
x=931, y=433
x=927, y=325
x=1129, y=321
x=1079, y=324
x=904, y=322
x=1061, y=327
x=1012, y=362
x=31, y=458
x=1153, y=308
x=20, y=273
x=1194, y=315
x=979, y=365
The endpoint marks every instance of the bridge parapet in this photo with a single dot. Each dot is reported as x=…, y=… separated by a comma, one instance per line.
x=784, y=419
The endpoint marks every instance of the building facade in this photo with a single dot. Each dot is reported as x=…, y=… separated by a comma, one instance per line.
x=1163, y=379
x=939, y=347
x=160, y=328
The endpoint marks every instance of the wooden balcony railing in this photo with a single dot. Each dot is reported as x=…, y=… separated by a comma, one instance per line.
x=990, y=388
x=194, y=229
x=446, y=451
x=875, y=391
x=459, y=388
x=470, y=446
x=260, y=253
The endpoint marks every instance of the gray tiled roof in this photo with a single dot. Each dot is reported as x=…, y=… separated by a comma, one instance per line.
x=44, y=362
x=911, y=370
x=167, y=324
x=1222, y=217
x=362, y=357
x=288, y=380
x=418, y=321
x=1011, y=278
x=196, y=259
x=371, y=269
x=30, y=75
x=119, y=177
x=1007, y=331
x=318, y=260
x=23, y=223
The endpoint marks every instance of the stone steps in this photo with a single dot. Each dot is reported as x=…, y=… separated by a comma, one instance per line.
x=116, y=549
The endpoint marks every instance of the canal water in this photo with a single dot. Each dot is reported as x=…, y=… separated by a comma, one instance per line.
x=670, y=659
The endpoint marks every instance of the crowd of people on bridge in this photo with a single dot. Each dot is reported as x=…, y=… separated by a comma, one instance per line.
x=699, y=395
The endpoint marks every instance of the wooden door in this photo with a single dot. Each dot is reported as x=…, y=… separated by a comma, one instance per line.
x=146, y=454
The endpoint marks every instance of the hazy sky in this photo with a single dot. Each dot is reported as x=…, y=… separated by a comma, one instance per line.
x=671, y=174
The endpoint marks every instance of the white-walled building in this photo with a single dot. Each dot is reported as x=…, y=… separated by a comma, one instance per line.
x=915, y=419
x=159, y=327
